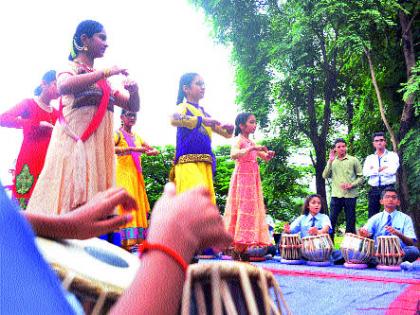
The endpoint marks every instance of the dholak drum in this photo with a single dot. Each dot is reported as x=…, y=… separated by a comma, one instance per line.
x=389, y=253
x=291, y=249
x=96, y=271
x=317, y=249
x=357, y=250
x=231, y=288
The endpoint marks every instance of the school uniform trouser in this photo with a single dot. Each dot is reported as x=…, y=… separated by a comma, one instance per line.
x=349, y=205
x=374, y=196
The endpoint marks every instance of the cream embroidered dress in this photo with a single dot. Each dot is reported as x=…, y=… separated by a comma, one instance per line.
x=75, y=171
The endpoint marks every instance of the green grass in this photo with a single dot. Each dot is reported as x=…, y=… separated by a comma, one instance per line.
x=337, y=241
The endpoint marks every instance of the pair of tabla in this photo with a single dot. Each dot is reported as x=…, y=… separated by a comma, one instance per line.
x=358, y=251
x=98, y=272
x=316, y=249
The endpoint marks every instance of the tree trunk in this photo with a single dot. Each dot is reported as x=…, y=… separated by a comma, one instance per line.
x=394, y=139
x=350, y=115
x=407, y=117
x=319, y=180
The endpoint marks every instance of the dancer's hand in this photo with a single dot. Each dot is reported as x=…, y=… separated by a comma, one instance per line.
x=210, y=122
x=138, y=149
x=46, y=124
x=228, y=127
x=188, y=222
x=152, y=152
x=131, y=86
x=260, y=148
x=115, y=70
x=270, y=154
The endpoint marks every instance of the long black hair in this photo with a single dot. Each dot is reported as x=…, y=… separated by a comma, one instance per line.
x=241, y=119
x=87, y=27
x=186, y=79
x=47, y=78
x=305, y=208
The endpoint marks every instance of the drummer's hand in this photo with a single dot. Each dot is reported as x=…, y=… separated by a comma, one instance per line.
x=391, y=230
x=363, y=232
x=187, y=222
x=313, y=230
x=286, y=228
x=93, y=218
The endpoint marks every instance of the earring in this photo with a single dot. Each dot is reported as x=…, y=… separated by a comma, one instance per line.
x=85, y=48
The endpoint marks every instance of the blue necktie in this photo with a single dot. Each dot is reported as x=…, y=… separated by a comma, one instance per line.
x=313, y=222
x=388, y=223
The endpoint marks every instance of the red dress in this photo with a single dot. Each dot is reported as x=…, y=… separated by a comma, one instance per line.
x=27, y=115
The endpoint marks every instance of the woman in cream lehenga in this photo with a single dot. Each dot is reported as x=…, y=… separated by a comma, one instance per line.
x=80, y=159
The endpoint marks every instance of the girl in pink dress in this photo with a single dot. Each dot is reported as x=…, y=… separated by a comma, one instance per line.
x=245, y=211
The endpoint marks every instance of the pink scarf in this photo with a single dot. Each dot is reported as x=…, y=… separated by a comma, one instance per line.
x=135, y=155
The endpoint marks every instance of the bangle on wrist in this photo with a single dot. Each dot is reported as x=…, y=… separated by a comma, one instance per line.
x=145, y=246
x=106, y=73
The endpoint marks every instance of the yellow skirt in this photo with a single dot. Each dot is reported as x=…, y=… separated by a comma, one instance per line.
x=134, y=184
x=191, y=175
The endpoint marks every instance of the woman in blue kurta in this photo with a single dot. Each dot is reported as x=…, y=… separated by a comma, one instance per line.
x=195, y=162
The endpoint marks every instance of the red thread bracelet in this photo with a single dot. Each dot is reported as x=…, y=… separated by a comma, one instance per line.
x=145, y=246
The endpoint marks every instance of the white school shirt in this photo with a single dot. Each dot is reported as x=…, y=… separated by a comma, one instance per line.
x=400, y=221
x=387, y=176
x=304, y=222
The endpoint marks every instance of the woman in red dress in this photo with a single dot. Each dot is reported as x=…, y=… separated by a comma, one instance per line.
x=36, y=117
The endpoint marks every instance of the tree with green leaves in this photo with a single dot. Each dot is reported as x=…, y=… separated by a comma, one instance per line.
x=326, y=68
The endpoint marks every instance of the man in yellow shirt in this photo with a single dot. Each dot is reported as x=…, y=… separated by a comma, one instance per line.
x=346, y=175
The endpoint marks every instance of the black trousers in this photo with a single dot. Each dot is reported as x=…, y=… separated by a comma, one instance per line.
x=349, y=205
x=374, y=196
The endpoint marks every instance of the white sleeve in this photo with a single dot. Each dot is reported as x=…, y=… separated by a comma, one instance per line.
x=369, y=168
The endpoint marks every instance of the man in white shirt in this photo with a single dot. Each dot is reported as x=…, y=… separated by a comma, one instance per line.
x=381, y=168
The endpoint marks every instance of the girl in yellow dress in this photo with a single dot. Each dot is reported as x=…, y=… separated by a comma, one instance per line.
x=129, y=147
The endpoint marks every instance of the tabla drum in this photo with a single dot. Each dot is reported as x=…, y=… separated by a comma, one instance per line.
x=357, y=250
x=245, y=252
x=389, y=253
x=96, y=271
x=291, y=249
x=317, y=249
x=231, y=288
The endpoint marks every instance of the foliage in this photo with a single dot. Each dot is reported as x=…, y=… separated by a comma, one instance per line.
x=279, y=226
x=301, y=67
x=283, y=194
x=224, y=169
x=411, y=146
x=412, y=88
x=156, y=172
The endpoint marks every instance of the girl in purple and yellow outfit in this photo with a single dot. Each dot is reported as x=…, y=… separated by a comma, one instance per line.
x=195, y=162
